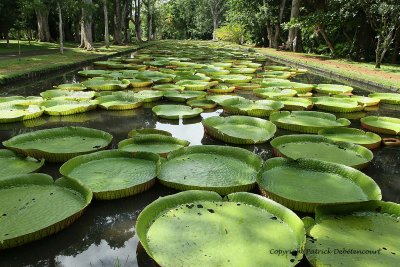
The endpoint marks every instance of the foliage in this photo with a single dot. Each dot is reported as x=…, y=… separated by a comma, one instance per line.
x=231, y=32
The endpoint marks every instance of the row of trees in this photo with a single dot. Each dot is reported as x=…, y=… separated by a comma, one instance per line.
x=358, y=29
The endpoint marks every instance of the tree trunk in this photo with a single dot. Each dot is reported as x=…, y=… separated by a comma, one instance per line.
x=128, y=18
x=328, y=42
x=86, y=27
x=149, y=21
x=215, y=27
x=117, y=23
x=42, y=15
x=137, y=20
x=396, y=48
x=60, y=28
x=106, y=32
x=294, y=14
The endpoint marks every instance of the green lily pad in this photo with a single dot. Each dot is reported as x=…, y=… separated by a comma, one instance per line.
x=367, y=101
x=217, y=168
x=219, y=99
x=260, y=108
x=321, y=183
x=62, y=94
x=194, y=85
x=176, y=111
x=285, y=84
x=155, y=143
x=93, y=73
x=359, y=233
x=353, y=135
x=389, y=98
x=119, y=102
x=149, y=95
x=46, y=206
x=246, y=86
x=71, y=86
x=334, y=104
x=239, y=129
x=242, y=70
x=318, y=147
x=10, y=101
x=155, y=76
x=385, y=125
x=67, y=107
x=296, y=103
x=213, y=71
x=184, y=96
x=307, y=121
x=137, y=83
x=233, y=78
x=172, y=228
x=114, y=174
x=221, y=89
x=19, y=113
x=277, y=68
x=274, y=92
x=333, y=89
x=144, y=131
x=277, y=74
x=59, y=144
x=202, y=103
x=106, y=85
x=13, y=164
x=168, y=87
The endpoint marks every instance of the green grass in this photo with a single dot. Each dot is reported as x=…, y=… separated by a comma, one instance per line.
x=15, y=67
x=363, y=74
x=25, y=46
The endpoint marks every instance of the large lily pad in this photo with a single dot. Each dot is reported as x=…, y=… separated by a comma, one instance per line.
x=285, y=84
x=176, y=111
x=119, y=102
x=59, y=144
x=184, y=96
x=386, y=125
x=319, y=147
x=389, y=98
x=334, y=104
x=219, y=99
x=149, y=95
x=155, y=143
x=221, y=89
x=13, y=164
x=93, y=73
x=216, y=168
x=63, y=94
x=233, y=78
x=333, y=89
x=239, y=129
x=307, y=121
x=19, y=113
x=33, y=207
x=67, y=107
x=274, y=92
x=359, y=234
x=114, y=174
x=137, y=83
x=296, y=103
x=353, y=135
x=145, y=131
x=194, y=85
x=10, y=101
x=155, y=76
x=168, y=87
x=106, y=85
x=260, y=108
x=186, y=229
x=321, y=183
x=71, y=86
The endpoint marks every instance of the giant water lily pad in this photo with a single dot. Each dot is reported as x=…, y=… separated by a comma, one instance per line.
x=10, y=101
x=71, y=86
x=285, y=84
x=93, y=73
x=361, y=234
x=386, y=125
x=221, y=89
x=353, y=135
x=137, y=83
x=145, y=131
x=194, y=85
x=181, y=229
x=33, y=206
x=367, y=101
x=149, y=95
x=59, y=144
x=333, y=89
x=321, y=183
x=219, y=99
x=260, y=108
x=239, y=129
x=176, y=111
x=389, y=98
x=217, y=168
x=274, y=92
x=296, y=103
x=233, y=78
x=67, y=107
x=106, y=85
x=277, y=74
x=307, y=121
x=19, y=113
x=155, y=76
x=13, y=164
x=119, y=102
x=155, y=143
x=63, y=94
x=114, y=174
x=334, y=104
x=319, y=147
x=168, y=87
x=202, y=103
x=184, y=96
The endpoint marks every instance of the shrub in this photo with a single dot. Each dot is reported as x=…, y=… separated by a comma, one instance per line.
x=232, y=32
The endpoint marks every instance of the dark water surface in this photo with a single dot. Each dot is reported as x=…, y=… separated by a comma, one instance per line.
x=105, y=234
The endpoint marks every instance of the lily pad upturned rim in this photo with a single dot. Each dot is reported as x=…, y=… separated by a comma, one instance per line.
x=366, y=123
x=155, y=210
x=51, y=133
x=75, y=107
x=121, y=102
x=366, y=183
x=389, y=98
x=274, y=117
x=331, y=104
x=210, y=123
x=333, y=88
x=247, y=157
x=158, y=110
x=145, y=131
x=286, y=139
x=374, y=138
x=44, y=179
x=5, y=153
x=68, y=166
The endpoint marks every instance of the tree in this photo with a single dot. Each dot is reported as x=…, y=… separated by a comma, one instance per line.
x=86, y=25
x=8, y=16
x=384, y=18
x=217, y=8
x=293, y=37
x=137, y=21
x=60, y=28
x=106, y=31
x=42, y=10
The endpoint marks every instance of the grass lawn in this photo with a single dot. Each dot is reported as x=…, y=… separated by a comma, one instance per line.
x=388, y=75
x=15, y=66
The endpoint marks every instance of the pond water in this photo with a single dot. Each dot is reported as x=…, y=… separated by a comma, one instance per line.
x=105, y=234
